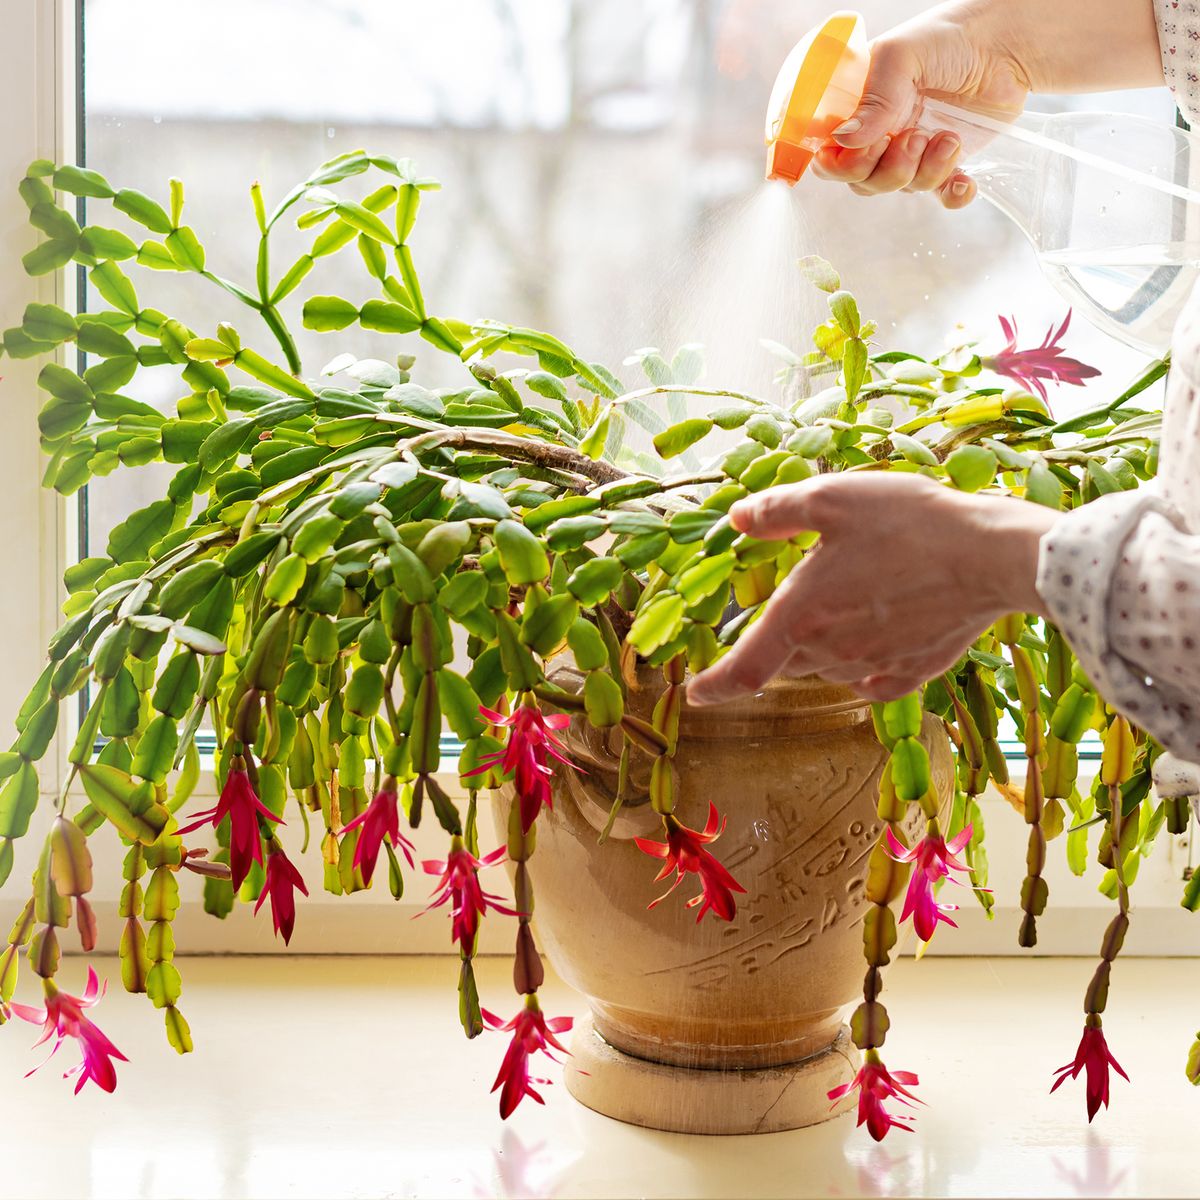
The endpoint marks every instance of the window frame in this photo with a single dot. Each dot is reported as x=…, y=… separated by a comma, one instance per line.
x=37, y=91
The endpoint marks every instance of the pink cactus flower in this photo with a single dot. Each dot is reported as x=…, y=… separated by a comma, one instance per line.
x=381, y=819
x=684, y=852
x=63, y=1018
x=1093, y=1056
x=283, y=881
x=531, y=1032
x=531, y=743
x=933, y=858
x=876, y=1085
x=458, y=885
x=1047, y=361
x=242, y=806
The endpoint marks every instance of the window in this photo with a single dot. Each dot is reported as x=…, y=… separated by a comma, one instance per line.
x=602, y=168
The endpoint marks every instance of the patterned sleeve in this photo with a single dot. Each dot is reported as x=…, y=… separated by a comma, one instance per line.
x=1179, y=41
x=1121, y=578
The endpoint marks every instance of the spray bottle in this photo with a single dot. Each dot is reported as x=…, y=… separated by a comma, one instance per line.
x=1109, y=201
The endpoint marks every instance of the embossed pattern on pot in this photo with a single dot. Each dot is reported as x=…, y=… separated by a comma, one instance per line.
x=797, y=771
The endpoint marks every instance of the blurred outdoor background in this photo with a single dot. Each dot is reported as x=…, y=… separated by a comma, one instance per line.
x=602, y=168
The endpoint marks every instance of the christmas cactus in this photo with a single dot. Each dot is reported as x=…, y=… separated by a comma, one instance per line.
x=325, y=539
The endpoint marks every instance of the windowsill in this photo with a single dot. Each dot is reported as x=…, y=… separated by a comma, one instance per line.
x=985, y=1038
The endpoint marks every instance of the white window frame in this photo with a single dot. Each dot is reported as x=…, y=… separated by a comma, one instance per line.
x=33, y=521
x=37, y=94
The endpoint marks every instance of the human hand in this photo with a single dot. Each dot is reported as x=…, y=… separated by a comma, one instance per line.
x=958, y=52
x=906, y=575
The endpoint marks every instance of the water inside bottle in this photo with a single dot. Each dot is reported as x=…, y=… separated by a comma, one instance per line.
x=1133, y=292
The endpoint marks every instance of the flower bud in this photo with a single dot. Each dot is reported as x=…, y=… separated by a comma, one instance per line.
x=528, y=972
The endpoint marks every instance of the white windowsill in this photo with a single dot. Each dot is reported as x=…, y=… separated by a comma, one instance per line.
x=362, y=1084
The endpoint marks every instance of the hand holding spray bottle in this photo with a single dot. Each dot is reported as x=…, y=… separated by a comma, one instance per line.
x=1109, y=201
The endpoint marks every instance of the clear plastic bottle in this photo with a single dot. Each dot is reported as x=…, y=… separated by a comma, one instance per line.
x=1109, y=201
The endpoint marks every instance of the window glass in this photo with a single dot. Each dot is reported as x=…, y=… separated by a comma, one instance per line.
x=602, y=167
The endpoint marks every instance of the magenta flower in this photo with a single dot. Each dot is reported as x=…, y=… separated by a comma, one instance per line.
x=933, y=859
x=458, y=884
x=876, y=1085
x=381, y=818
x=63, y=1018
x=1094, y=1056
x=283, y=880
x=242, y=806
x=684, y=851
x=531, y=743
x=531, y=1032
x=1047, y=361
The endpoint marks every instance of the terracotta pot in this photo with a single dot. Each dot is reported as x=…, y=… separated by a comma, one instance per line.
x=719, y=1027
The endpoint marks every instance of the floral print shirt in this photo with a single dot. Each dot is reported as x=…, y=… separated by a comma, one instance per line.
x=1121, y=576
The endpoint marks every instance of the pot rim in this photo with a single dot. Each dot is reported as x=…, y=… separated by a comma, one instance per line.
x=785, y=707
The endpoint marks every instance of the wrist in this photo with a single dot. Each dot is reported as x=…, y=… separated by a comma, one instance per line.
x=1073, y=45
x=1012, y=34
x=1007, y=534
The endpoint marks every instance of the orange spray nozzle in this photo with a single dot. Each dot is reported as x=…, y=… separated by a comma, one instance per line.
x=817, y=88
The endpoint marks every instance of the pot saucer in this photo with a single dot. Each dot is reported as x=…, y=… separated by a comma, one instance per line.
x=687, y=1100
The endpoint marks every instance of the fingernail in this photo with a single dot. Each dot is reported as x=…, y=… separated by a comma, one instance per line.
x=949, y=146
x=851, y=126
x=917, y=143
x=959, y=187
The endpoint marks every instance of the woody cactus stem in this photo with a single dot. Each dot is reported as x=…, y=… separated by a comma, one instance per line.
x=906, y=778
x=1034, y=890
x=1116, y=767
x=541, y=454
